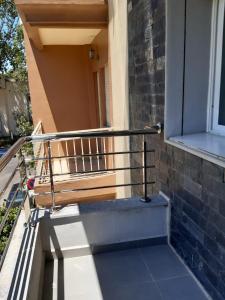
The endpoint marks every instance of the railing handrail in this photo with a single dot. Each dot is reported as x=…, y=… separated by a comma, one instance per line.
x=5, y=159
x=93, y=134
x=103, y=132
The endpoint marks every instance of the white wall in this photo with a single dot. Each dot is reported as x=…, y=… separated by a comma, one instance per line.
x=12, y=101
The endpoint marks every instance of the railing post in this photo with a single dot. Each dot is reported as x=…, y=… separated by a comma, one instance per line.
x=145, y=198
x=23, y=172
x=24, y=175
x=51, y=175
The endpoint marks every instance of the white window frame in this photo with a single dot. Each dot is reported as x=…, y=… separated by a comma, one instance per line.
x=216, y=67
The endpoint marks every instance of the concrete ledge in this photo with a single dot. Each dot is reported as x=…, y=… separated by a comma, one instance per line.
x=90, y=227
x=122, y=204
x=104, y=206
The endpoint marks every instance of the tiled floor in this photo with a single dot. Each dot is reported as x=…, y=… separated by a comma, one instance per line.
x=149, y=273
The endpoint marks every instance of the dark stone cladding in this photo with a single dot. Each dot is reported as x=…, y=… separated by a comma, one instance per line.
x=195, y=186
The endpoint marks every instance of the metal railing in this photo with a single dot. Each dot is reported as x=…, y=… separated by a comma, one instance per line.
x=102, y=136
x=95, y=146
x=18, y=176
x=10, y=210
x=75, y=155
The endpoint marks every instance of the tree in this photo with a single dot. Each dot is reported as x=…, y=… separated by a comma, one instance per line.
x=12, y=55
x=23, y=124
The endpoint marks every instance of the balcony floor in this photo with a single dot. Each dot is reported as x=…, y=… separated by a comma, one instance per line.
x=151, y=273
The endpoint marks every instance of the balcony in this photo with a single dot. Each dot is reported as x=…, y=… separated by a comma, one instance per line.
x=108, y=249
x=75, y=163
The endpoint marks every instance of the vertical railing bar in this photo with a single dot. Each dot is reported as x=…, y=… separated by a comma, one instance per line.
x=43, y=164
x=82, y=152
x=97, y=151
x=75, y=154
x=145, y=198
x=51, y=175
x=104, y=151
x=113, y=146
x=24, y=176
x=90, y=158
x=47, y=164
x=60, y=160
x=67, y=154
x=23, y=162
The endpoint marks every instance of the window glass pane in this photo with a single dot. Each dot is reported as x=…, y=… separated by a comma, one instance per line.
x=221, y=120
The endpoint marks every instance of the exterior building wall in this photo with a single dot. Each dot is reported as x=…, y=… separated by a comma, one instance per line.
x=12, y=102
x=195, y=186
x=118, y=53
x=61, y=87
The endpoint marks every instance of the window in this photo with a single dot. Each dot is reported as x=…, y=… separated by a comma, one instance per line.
x=188, y=57
x=195, y=78
x=217, y=78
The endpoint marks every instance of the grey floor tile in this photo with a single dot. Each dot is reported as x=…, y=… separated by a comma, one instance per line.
x=121, y=267
x=162, y=262
x=121, y=275
x=141, y=291
x=183, y=288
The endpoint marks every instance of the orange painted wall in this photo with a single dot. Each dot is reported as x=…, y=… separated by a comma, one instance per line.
x=61, y=87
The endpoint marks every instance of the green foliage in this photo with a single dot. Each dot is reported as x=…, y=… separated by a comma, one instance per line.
x=12, y=56
x=24, y=128
x=8, y=225
x=23, y=124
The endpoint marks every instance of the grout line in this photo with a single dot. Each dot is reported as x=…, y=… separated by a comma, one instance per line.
x=149, y=270
x=159, y=290
x=189, y=273
x=145, y=263
x=173, y=277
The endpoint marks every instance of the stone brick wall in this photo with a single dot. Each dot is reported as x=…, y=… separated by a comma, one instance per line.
x=195, y=186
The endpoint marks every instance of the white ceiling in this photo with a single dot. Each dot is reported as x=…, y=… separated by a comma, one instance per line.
x=67, y=36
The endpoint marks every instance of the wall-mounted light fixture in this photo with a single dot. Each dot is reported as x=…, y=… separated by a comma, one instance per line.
x=93, y=54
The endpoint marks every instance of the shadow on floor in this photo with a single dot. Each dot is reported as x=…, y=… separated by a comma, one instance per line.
x=148, y=273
